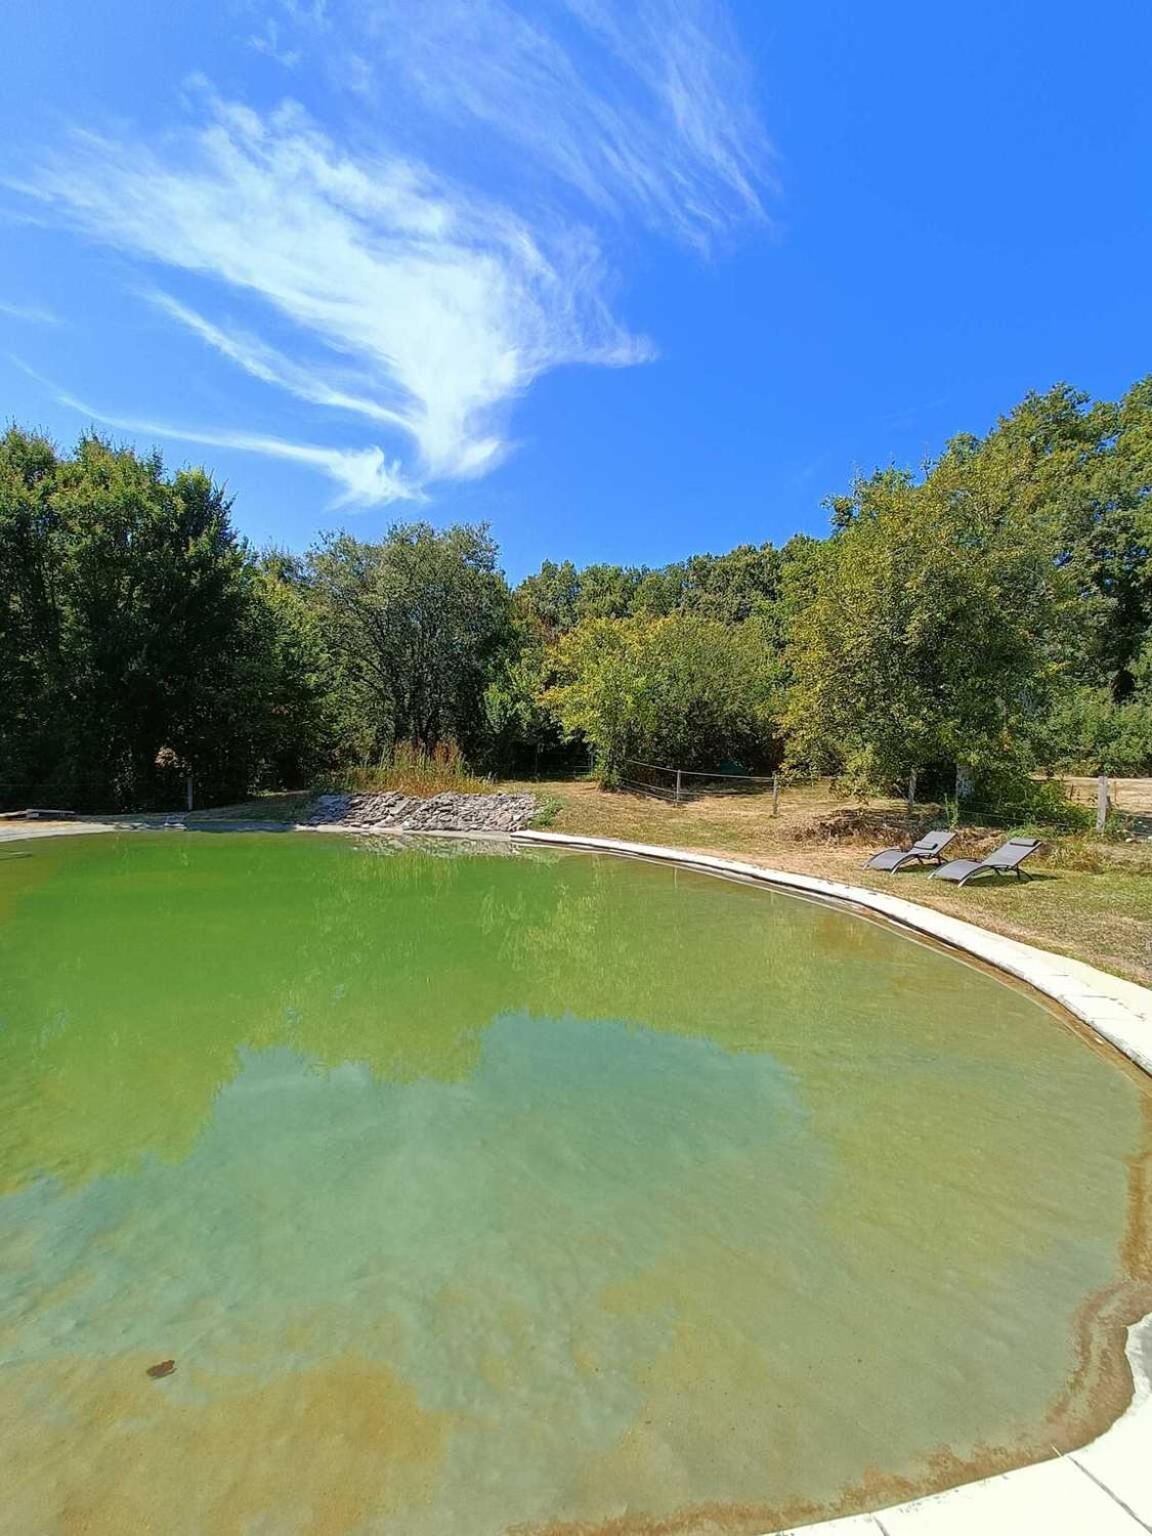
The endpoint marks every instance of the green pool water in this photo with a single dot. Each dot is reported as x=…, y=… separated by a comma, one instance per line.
x=484, y=1192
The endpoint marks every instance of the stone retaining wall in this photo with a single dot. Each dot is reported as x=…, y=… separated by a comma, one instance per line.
x=392, y=811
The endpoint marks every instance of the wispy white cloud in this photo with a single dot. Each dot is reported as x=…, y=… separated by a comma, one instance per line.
x=421, y=285
x=449, y=303
x=274, y=367
x=267, y=41
x=36, y=314
x=644, y=107
x=364, y=475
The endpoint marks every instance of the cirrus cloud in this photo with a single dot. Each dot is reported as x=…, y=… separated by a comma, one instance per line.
x=411, y=285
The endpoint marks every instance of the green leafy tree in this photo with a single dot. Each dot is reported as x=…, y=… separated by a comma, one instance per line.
x=292, y=673
x=608, y=591
x=548, y=601
x=731, y=588
x=1098, y=488
x=519, y=733
x=923, y=636
x=681, y=690
x=1080, y=473
x=415, y=625
x=1089, y=732
x=128, y=628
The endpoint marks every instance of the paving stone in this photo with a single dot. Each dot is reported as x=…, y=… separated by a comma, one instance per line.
x=1052, y=1499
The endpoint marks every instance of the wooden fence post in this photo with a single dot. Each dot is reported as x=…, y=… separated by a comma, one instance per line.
x=189, y=791
x=911, y=791
x=1101, y=802
x=678, y=786
x=775, y=794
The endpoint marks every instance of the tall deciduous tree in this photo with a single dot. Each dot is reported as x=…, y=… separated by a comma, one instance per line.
x=414, y=623
x=925, y=634
x=683, y=690
x=132, y=626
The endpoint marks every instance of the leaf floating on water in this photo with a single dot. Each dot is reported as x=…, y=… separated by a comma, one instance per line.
x=164, y=1368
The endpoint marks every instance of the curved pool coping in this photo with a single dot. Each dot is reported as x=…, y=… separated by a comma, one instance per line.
x=1105, y=1487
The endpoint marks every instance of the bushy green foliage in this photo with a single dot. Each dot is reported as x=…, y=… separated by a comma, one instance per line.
x=415, y=625
x=681, y=690
x=133, y=624
x=1089, y=732
x=1014, y=800
x=519, y=731
x=925, y=634
x=1089, y=473
x=742, y=584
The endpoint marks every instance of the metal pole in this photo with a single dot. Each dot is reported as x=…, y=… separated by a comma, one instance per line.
x=775, y=794
x=677, y=786
x=189, y=791
x=911, y=791
x=1101, y=802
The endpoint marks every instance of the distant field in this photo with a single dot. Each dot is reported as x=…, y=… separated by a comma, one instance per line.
x=1131, y=795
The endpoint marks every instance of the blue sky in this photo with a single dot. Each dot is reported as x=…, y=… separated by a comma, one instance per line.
x=626, y=278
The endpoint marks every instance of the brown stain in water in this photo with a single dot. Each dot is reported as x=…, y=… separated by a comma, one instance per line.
x=318, y=1450
x=1100, y=1387
x=228, y=1449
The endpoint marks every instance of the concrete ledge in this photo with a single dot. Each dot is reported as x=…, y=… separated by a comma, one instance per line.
x=1104, y=1489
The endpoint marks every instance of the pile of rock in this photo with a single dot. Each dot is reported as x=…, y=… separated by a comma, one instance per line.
x=395, y=812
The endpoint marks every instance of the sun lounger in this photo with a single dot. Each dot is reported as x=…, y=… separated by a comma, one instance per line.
x=930, y=846
x=1006, y=860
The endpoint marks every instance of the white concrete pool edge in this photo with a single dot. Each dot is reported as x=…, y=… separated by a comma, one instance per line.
x=1105, y=1488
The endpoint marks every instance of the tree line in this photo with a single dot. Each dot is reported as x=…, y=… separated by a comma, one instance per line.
x=972, y=621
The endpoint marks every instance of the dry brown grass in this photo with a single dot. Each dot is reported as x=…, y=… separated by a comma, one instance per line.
x=1133, y=796
x=413, y=771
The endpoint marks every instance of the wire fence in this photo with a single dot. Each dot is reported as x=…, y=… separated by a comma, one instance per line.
x=1108, y=800
x=1131, y=795
x=680, y=784
x=1102, y=796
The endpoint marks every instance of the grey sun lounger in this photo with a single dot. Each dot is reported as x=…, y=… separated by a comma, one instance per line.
x=1006, y=860
x=930, y=846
